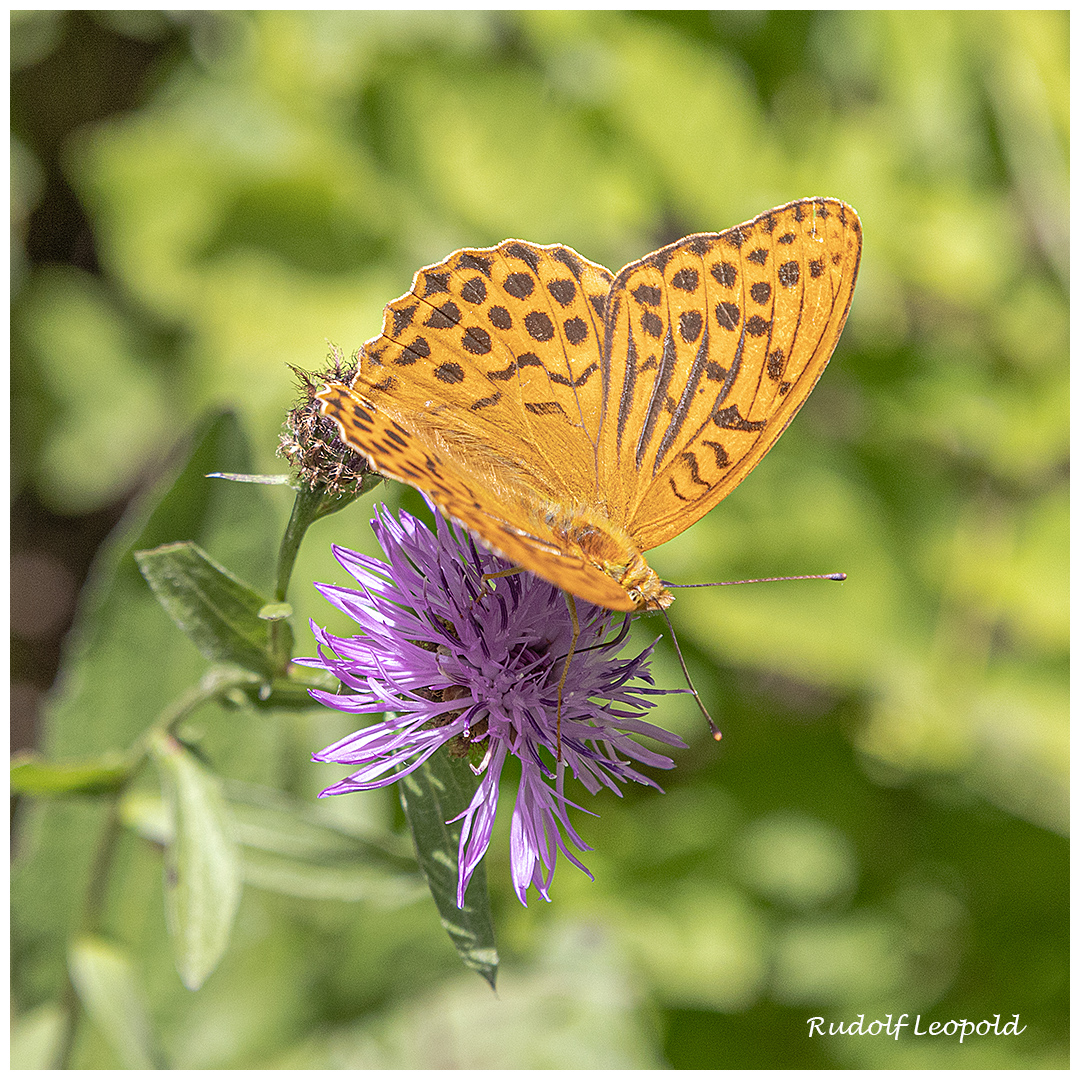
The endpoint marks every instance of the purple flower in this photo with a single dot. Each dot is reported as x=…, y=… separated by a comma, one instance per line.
x=452, y=659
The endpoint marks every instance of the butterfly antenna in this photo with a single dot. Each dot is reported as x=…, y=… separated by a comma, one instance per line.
x=756, y=581
x=690, y=682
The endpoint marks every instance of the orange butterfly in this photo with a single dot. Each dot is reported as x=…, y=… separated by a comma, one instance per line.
x=572, y=418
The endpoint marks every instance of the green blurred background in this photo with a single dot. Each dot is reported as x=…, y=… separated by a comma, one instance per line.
x=200, y=199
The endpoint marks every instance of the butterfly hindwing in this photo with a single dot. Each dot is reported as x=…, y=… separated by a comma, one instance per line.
x=513, y=522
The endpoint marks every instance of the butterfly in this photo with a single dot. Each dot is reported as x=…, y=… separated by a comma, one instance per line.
x=572, y=418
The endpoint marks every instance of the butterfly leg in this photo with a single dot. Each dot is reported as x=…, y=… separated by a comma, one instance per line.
x=501, y=573
x=576, y=628
x=486, y=579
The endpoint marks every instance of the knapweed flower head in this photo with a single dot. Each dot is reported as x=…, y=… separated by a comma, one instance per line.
x=312, y=443
x=452, y=658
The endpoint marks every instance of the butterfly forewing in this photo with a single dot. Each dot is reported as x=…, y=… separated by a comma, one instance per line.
x=715, y=343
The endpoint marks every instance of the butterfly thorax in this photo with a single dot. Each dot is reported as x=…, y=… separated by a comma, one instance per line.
x=611, y=550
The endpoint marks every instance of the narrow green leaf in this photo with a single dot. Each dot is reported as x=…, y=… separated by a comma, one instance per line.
x=105, y=982
x=146, y=814
x=202, y=865
x=273, y=479
x=32, y=775
x=212, y=606
x=431, y=795
x=271, y=821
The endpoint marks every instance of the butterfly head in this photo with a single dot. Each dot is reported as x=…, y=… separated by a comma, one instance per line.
x=642, y=584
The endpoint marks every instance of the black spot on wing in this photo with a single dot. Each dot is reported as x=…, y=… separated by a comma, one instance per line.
x=725, y=273
x=563, y=290
x=474, y=291
x=652, y=324
x=581, y=380
x=686, y=279
x=450, y=373
x=436, y=283
x=418, y=350
x=539, y=326
x=469, y=261
x=648, y=294
x=727, y=314
x=519, y=285
x=476, y=340
x=690, y=323
x=527, y=255
x=403, y=317
x=545, y=408
x=443, y=316
x=576, y=331
x=732, y=420
x=722, y=459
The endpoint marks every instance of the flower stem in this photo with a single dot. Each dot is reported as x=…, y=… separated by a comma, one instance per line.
x=311, y=503
x=304, y=512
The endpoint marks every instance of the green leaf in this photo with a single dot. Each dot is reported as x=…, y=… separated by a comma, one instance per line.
x=212, y=606
x=32, y=775
x=431, y=795
x=104, y=979
x=146, y=813
x=271, y=821
x=202, y=865
x=287, y=849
